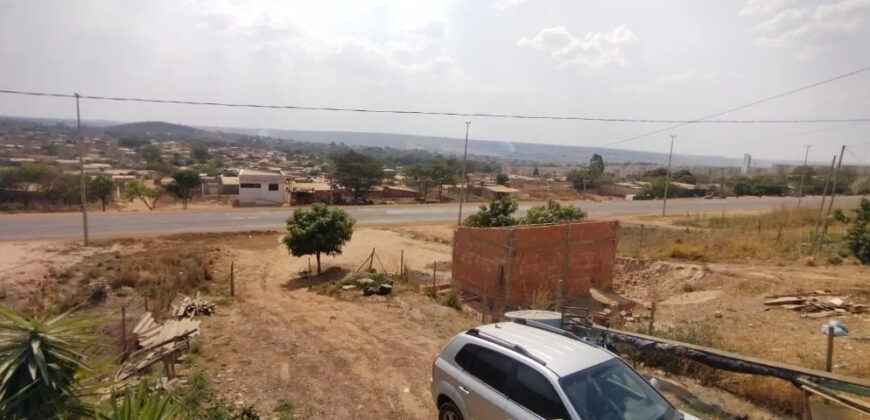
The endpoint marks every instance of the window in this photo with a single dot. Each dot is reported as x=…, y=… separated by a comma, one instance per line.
x=612, y=390
x=249, y=185
x=534, y=392
x=491, y=367
x=273, y=187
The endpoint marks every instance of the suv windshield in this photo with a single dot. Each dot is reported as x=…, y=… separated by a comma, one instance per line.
x=612, y=391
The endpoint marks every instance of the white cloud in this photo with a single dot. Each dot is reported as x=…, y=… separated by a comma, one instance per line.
x=507, y=4
x=758, y=8
x=808, y=30
x=596, y=49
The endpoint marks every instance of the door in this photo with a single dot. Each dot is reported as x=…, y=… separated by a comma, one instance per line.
x=484, y=381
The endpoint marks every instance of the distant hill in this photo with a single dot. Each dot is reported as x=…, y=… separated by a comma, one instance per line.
x=156, y=130
x=506, y=150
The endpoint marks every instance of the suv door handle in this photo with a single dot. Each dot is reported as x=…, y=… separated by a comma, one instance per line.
x=465, y=391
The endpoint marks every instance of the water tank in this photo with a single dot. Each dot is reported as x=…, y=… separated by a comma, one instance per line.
x=553, y=319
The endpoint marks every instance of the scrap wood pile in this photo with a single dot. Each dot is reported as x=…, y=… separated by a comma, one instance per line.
x=158, y=342
x=817, y=304
x=189, y=308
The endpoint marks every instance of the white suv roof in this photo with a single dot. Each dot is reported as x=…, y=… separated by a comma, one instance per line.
x=562, y=355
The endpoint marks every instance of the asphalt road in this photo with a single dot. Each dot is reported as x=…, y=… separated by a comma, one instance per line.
x=69, y=225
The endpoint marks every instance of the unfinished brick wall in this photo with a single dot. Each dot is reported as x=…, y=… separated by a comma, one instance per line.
x=533, y=258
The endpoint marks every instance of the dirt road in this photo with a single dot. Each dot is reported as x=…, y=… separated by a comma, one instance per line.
x=331, y=358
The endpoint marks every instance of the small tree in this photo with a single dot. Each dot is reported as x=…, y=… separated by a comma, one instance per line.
x=151, y=154
x=320, y=230
x=182, y=185
x=858, y=236
x=499, y=213
x=552, y=212
x=137, y=190
x=199, y=152
x=102, y=186
x=501, y=179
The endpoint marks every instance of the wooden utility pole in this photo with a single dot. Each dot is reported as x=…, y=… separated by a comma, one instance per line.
x=831, y=202
x=803, y=175
x=822, y=205
x=83, y=184
x=464, y=192
x=668, y=181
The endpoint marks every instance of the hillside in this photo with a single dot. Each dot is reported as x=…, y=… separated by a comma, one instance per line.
x=156, y=130
x=500, y=149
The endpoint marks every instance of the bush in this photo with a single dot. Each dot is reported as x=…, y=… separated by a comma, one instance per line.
x=499, y=213
x=552, y=212
x=451, y=299
x=858, y=236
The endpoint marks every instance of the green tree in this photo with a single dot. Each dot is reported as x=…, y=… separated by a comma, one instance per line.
x=683, y=175
x=579, y=179
x=535, y=172
x=137, y=190
x=552, y=212
x=182, y=185
x=320, y=230
x=40, y=359
x=151, y=153
x=656, y=189
x=498, y=213
x=655, y=173
x=501, y=179
x=596, y=166
x=421, y=175
x=443, y=173
x=102, y=186
x=357, y=171
x=199, y=152
x=861, y=186
x=858, y=235
x=50, y=148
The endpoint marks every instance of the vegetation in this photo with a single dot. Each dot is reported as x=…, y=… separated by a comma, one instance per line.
x=151, y=153
x=182, y=185
x=858, y=236
x=320, y=230
x=40, y=362
x=591, y=177
x=552, y=212
x=656, y=189
x=498, y=213
x=440, y=173
x=199, y=152
x=102, y=187
x=143, y=404
x=357, y=171
x=501, y=179
x=137, y=190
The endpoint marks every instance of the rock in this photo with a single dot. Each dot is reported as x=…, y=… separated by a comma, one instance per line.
x=717, y=314
x=365, y=282
x=348, y=287
x=368, y=291
x=385, y=289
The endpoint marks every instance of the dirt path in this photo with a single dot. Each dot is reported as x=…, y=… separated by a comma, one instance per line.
x=330, y=358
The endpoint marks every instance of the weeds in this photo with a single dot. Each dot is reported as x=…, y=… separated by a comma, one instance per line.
x=451, y=299
x=541, y=299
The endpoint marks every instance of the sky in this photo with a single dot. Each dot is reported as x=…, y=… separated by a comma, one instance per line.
x=614, y=59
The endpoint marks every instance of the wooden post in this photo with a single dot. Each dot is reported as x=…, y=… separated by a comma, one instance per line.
x=371, y=260
x=641, y=236
x=124, y=329
x=233, y=278
x=434, y=271
x=309, y=265
x=808, y=414
x=402, y=265
x=829, y=357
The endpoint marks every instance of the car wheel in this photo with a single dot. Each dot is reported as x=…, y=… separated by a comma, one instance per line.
x=449, y=411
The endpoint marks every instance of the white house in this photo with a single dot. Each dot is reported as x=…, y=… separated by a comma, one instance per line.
x=263, y=188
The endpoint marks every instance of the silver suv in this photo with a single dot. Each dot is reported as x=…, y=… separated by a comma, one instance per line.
x=515, y=371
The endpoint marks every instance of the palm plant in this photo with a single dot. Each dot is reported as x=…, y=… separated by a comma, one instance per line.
x=40, y=364
x=143, y=405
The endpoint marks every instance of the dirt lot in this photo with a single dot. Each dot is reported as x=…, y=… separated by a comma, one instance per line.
x=348, y=356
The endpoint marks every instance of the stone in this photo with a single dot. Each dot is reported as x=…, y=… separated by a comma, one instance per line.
x=348, y=287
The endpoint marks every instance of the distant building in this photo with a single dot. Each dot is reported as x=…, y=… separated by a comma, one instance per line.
x=261, y=188
x=747, y=164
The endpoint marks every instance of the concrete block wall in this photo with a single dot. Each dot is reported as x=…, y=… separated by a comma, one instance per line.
x=535, y=258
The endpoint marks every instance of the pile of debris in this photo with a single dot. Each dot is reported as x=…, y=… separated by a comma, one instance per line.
x=158, y=343
x=189, y=308
x=370, y=286
x=816, y=304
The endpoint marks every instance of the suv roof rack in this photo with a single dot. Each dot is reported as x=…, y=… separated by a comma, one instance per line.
x=504, y=343
x=556, y=330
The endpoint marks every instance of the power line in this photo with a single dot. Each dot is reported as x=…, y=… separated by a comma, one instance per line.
x=438, y=113
x=760, y=101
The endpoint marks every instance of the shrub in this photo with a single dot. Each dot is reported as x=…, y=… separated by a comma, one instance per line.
x=552, y=212
x=499, y=213
x=858, y=236
x=451, y=299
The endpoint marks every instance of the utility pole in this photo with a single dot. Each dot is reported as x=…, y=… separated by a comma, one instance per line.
x=803, y=175
x=831, y=203
x=464, y=173
x=83, y=186
x=668, y=182
x=822, y=206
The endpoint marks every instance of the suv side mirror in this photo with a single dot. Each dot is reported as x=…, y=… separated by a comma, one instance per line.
x=654, y=382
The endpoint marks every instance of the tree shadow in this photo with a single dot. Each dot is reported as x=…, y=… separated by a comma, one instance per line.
x=305, y=280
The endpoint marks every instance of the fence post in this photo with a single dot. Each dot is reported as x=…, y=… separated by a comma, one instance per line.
x=371, y=260
x=434, y=271
x=124, y=329
x=402, y=264
x=829, y=356
x=233, y=278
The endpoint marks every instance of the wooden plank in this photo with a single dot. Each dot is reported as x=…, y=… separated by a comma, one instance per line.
x=789, y=300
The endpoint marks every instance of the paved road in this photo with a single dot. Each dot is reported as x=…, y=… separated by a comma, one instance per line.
x=68, y=225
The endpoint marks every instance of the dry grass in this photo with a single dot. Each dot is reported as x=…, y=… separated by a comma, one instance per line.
x=780, y=234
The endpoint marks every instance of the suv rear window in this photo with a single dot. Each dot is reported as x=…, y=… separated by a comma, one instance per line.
x=491, y=367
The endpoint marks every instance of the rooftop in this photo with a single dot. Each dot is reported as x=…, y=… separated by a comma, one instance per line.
x=563, y=355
